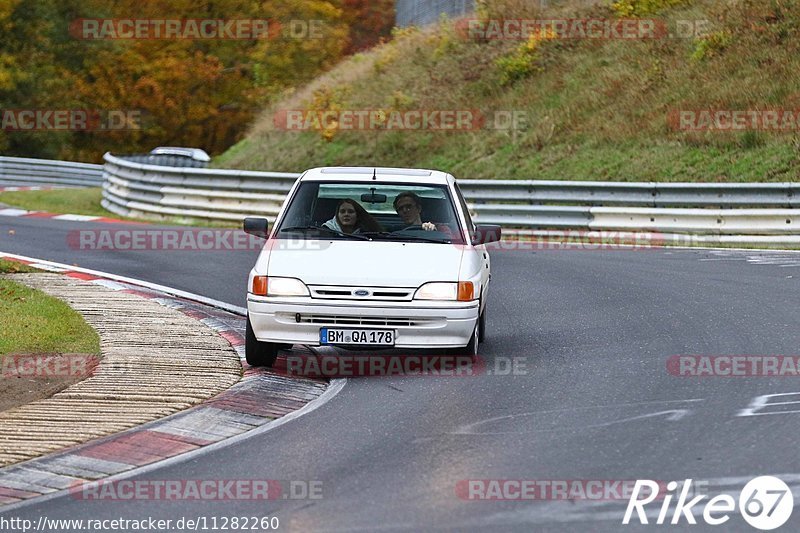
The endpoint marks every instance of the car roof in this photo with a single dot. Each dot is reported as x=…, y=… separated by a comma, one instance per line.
x=382, y=174
x=195, y=153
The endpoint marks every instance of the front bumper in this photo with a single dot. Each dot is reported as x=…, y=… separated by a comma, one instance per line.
x=416, y=325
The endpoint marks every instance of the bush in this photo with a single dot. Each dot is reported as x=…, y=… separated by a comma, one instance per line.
x=642, y=8
x=523, y=61
x=327, y=100
x=711, y=45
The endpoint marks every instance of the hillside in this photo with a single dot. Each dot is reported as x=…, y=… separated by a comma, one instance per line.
x=593, y=108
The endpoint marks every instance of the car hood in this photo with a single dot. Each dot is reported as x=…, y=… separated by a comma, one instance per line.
x=375, y=263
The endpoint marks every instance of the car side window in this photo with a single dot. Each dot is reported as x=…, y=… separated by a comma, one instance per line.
x=465, y=209
x=299, y=212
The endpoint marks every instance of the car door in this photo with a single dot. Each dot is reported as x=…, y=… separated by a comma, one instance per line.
x=479, y=249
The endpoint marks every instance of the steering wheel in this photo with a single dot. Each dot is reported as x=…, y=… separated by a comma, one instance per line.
x=414, y=226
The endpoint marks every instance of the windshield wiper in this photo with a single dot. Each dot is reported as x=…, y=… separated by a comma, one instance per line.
x=327, y=229
x=401, y=237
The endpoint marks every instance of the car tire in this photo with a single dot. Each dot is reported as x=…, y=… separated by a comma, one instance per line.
x=472, y=346
x=258, y=353
x=482, y=327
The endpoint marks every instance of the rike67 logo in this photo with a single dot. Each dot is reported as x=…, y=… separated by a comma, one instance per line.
x=765, y=503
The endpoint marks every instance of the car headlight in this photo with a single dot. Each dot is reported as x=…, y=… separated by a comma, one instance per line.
x=463, y=291
x=277, y=286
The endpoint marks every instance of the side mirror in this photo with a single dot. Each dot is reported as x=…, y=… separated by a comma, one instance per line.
x=486, y=233
x=257, y=226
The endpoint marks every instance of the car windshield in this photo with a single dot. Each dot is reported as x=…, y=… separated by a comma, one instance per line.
x=371, y=211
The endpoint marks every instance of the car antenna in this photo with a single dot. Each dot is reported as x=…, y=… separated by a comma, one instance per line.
x=373, y=173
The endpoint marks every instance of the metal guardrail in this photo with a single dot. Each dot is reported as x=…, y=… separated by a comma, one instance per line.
x=422, y=12
x=643, y=194
x=23, y=170
x=133, y=189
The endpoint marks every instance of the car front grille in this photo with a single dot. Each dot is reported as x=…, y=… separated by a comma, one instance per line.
x=328, y=292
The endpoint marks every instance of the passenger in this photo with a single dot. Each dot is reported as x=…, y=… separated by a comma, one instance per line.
x=351, y=217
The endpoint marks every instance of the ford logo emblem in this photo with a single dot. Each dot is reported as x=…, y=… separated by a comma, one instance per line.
x=361, y=292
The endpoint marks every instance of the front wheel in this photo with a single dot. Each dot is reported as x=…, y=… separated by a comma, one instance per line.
x=472, y=346
x=482, y=326
x=258, y=353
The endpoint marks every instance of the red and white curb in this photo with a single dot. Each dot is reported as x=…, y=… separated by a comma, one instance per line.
x=262, y=400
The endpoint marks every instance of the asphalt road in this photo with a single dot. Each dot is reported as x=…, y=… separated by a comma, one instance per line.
x=219, y=274
x=592, y=398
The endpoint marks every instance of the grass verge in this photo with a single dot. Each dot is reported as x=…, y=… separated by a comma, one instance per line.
x=12, y=267
x=72, y=201
x=37, y=329
x=87, y=202
x=33, y=322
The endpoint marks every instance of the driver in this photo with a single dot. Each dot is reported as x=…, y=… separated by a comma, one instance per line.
x=409, y=207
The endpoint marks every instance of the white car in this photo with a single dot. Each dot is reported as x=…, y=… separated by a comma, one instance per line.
x=369, y=258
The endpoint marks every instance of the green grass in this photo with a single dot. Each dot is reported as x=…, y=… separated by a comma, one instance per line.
x=87, y=202
x=72, y=201
x=33, y=322
x=12, y=267
x=595, y=109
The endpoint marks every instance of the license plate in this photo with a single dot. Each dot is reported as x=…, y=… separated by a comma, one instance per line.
x=362, y=337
